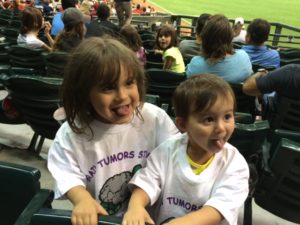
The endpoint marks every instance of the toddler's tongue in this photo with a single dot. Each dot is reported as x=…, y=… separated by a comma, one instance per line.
x=219, y=143
x=122, y=111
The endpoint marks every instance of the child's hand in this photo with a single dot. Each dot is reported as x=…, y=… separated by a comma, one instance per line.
x=47, y=27
x=137, y=215
x=86, y=212
x=157, y=51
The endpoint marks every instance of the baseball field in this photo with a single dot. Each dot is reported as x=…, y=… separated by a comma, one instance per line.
x=281, y=11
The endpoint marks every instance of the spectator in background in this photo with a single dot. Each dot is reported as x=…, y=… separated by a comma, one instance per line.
x=85, y=8
x=102, y=25
x=257, y=34
x=32, y=22
x=218, y=56
x=57, y=23
x=138, y=9
x=284, y=81
x=73, y=32
x=124, y=11
x=190, y=48
x=239, y=34
x=131, y=38
x=47, y=9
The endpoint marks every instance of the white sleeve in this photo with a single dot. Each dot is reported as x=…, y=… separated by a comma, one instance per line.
x=149, y=178
x=62, y=163
x=231, y=190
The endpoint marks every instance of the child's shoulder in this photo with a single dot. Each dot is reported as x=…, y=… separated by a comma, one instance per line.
x=151, y=110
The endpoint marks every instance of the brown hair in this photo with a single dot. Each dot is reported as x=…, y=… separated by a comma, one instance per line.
x=259, y=30
x=199, y=93
x=167, y=30
x=96, y=61
x=217, y=38
x=32, y=20
x=131, y=37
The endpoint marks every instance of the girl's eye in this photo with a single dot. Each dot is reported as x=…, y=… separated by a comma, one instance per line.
x=208, y=119
x=228, y=116
x=130, y=82
x=106, y=88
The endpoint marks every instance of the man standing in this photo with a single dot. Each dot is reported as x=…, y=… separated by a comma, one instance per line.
x=124, y=12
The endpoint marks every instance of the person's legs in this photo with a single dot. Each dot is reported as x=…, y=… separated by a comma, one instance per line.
x=128, y=12
x=120, y=13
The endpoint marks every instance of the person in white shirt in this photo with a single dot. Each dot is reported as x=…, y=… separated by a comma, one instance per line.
x=195, y=177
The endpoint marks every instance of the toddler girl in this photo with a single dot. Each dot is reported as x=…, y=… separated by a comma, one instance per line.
x=109, y=131
x=166, y=41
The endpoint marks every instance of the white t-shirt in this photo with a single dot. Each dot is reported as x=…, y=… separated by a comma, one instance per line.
x=105, y=163
x=169, y=180
x=241, y=37
x=30, y=40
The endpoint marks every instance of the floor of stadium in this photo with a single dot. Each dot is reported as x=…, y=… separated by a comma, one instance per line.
x=14, y=139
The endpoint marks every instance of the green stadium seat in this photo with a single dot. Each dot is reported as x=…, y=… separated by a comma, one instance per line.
x=36, y=98
x=20, y=186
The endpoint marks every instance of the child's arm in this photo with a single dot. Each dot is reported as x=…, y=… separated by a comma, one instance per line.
x=136, y=213
x=168, y=62
x=207, y=215
x=86, y=208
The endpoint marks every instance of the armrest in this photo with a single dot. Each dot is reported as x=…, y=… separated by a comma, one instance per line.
x=42, y=199
x=46, y=216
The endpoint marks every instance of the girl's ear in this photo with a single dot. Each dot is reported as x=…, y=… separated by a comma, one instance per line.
x=180, y=123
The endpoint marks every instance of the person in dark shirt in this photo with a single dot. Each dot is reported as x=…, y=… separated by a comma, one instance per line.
x=102, y=26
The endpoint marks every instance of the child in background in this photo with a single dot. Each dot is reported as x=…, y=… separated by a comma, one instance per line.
x=132, y=39
x=32, y=21
x=195, y=177
x=109, y=132
x=166, y=41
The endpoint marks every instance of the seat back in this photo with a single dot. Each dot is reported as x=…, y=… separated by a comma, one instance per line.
x=55, y=63
x=286, y=114
x=245, y=103
x=153, y=99
x=278, y=191
x=163, y=83
x=284, y=62
x=63, y=217
x=26, y=57
x=249, y=138
x=276, y=137
x=18, y=186
x=289, y=54
x=36, y=98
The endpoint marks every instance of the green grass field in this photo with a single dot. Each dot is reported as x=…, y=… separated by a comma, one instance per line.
x=281, y=11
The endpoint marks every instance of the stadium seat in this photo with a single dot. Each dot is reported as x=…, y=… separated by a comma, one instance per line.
x=153, y=99
x=245, y=103
x=26, y=57
x=35, y=98
x=286, y=114
x=20, y=186
x=284, y=62
x=163, y=83
x=289, y=54
x=55, y=63
x=277, y=190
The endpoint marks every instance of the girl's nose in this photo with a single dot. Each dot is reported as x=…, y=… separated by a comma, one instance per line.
x=121, y=93
x=220, y=126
